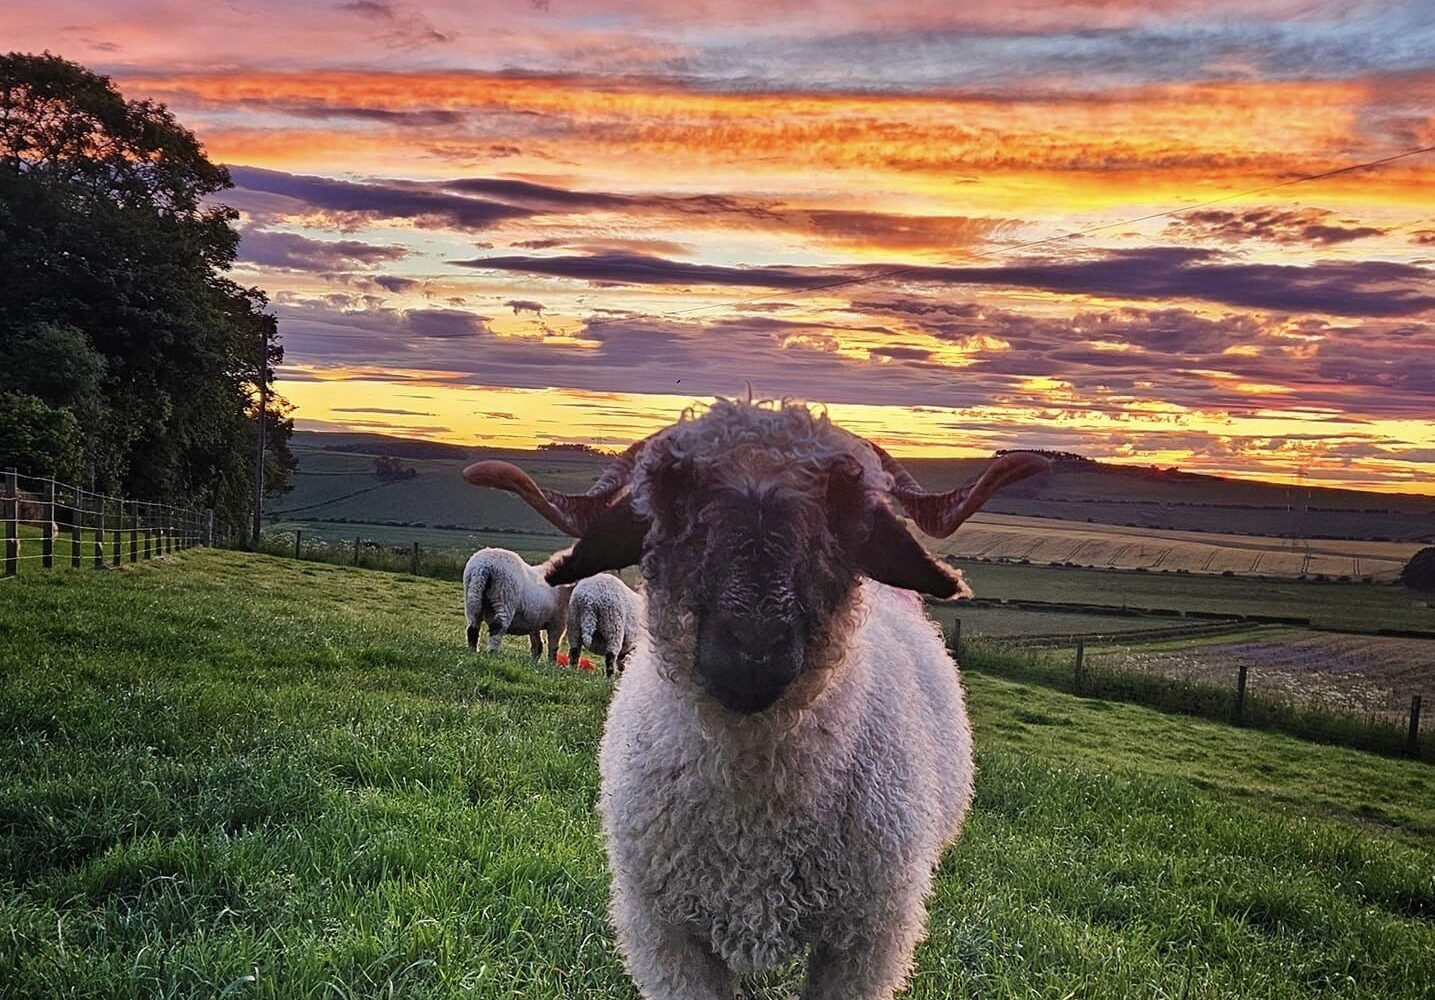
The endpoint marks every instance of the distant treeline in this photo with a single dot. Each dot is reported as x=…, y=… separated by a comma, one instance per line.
x=1055, y=456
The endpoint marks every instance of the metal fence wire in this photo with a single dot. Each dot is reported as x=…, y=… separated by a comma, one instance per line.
x=53, y=523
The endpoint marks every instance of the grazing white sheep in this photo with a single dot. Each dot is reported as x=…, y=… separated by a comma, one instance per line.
x=499, y=588
x=788, y=754
x=604, y=615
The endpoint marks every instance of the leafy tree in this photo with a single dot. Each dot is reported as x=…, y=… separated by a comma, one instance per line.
x=114, y=308
x=391, y=470
x=34, y=435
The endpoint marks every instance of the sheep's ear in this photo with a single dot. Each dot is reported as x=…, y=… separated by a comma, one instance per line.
x=613, y=541
x=879, y=545
x=891, y=555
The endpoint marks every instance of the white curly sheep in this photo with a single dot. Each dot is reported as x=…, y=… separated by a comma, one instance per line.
x=604, y=615
x=788, y=753
x=499, y=588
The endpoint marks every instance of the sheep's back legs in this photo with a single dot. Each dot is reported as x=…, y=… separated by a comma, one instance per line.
x=608, y=660
x=554, y=634
x=496, y=628
x=473, y=638
x=535, y=646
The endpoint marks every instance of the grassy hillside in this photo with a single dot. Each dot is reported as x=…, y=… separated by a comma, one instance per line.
x=236, y=775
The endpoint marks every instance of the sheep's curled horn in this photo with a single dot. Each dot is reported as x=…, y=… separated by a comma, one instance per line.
x=936, y=513
x=571, y=513
x=940, y=514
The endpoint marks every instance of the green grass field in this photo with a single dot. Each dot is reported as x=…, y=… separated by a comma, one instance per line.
x=237, y=775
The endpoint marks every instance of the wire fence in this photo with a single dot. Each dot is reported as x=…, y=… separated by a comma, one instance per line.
x=52, y=525
x=1213, y=669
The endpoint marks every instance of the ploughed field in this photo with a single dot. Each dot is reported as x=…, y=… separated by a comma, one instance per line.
x=239, y=775
x=1115, y=546
x=1363, y=675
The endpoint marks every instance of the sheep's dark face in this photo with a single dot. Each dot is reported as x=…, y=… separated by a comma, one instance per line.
x=752, y=555
x=756, y=566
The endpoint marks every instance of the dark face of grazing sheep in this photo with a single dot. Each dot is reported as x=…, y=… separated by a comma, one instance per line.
x=753, y=525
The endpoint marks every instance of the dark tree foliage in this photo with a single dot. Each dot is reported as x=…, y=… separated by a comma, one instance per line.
x=128, y=360
x=1055, y=456
x=391, y=470
x=1419, y=572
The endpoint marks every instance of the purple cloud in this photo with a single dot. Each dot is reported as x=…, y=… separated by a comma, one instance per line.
x=427, y=208
x=641, y=269
x=1340, y=288
x=293, y=252
x=1274, y=225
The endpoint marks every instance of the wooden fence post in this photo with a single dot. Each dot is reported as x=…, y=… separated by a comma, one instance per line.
x=115, y=536
x=356, y=550
x=209, y=526
x=99, y=542
x=149, y=545
x=77, y=527
x=1413, y=742
x=414, y=562
x=298, y=534
x=956, y=640
x=134, y=530
x=47, y=527
x=12, y=523
x=1241, y=693
x=168, y=530
x=1080, y=668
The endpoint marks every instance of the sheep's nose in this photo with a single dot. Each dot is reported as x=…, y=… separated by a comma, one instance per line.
x=745, y=665
x=745, y=640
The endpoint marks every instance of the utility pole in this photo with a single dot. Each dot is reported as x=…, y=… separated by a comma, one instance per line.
x=263, y=420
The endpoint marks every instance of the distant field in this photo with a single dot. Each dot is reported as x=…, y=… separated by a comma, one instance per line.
x=533, y=546
x=1110, y=546
x=1009, y=623
x=1130, y=495
x=1357, y=606
x=336, y=484
x=1355, y=674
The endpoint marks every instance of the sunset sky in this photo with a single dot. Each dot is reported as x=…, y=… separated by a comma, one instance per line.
x=560, y=220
